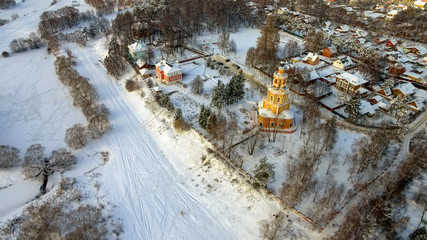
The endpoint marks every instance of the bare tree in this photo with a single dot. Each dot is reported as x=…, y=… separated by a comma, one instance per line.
x=9, y=156
x=76, y=136
x=37, y=165
x=272, y=229
x=251, y=142
x=223, y=40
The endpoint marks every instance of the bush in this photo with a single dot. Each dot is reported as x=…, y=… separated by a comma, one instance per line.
x=181, y=125
x=3, y=21
x=5, y=54
x=131, y=85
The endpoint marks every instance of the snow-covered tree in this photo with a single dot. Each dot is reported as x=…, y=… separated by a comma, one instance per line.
x=232, y=47
x=353, y=108
x=400, y=109
x=9, y=156
x=218, y=100
x=197, y=85
x=204, y=115
x=263, y=172
x=76, y=137
x=223, y=41
x=235, y=89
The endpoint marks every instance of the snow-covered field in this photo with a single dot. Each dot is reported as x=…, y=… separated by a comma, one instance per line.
x=154, y=179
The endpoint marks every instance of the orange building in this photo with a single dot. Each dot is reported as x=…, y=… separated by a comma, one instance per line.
x=273, y=111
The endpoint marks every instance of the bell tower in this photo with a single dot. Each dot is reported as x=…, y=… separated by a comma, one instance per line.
x=274, y=112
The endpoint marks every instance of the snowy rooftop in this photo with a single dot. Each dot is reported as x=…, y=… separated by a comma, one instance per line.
x=346, y=61
x=406, y=88
x=286, y=114
x=137, y=47
x=366, y=107
x=354, y=80
x=311, y=56
x=168, y=68
x=267, y=113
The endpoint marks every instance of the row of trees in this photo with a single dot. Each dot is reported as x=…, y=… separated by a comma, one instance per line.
x=115, y=62
x=25, y=44
x=228, y=94
x=84, y=96
x=157, y=20
x=55, y=21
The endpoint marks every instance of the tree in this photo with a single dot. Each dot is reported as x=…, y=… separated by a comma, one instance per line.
x=272, y=229
x=218, y=98
x=7, y=3
x=263, y=172
x=400, y=109
x=9, y=156
x=37, y=165
x=251, y=142
x=223, y=41
x=76, y=136
x=235, y=89
x=197, y=86
x=418, y=234
x=291, y=49
x=330, y=136
x=204, y=114
x=314, y=42
x=232, y=47
x=131, y=85
x=389, y=83
x=353, y=108
x=267, y=44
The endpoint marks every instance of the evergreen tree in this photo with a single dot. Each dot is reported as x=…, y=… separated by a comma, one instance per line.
x=203, y=116
x=263, y=172
x=218, y=97
x=178, y=114
x=235, y=90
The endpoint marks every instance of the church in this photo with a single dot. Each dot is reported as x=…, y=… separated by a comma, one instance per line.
x=274, y=114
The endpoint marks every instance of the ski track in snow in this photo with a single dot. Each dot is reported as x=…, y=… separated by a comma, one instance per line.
x=145, y=186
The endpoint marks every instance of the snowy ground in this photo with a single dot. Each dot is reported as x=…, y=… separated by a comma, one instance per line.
x=154, y=178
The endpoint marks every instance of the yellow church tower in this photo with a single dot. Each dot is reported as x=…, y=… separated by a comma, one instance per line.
x=273, y=111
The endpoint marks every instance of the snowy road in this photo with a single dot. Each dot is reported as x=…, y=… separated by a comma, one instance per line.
x=140, y=180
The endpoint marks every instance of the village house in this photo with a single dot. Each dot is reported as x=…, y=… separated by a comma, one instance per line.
x=342, y=29
x=420, y=4
x=329, y=51
x=167, y=73
x=417, y=75
x=381, y=40
x=403, y=89
x=311, y=58
x=391, y=43
x=417, y=50
x=343, y=63
x=367, y=109
x=396, y=69
x=138, y=50
x=349, y=83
